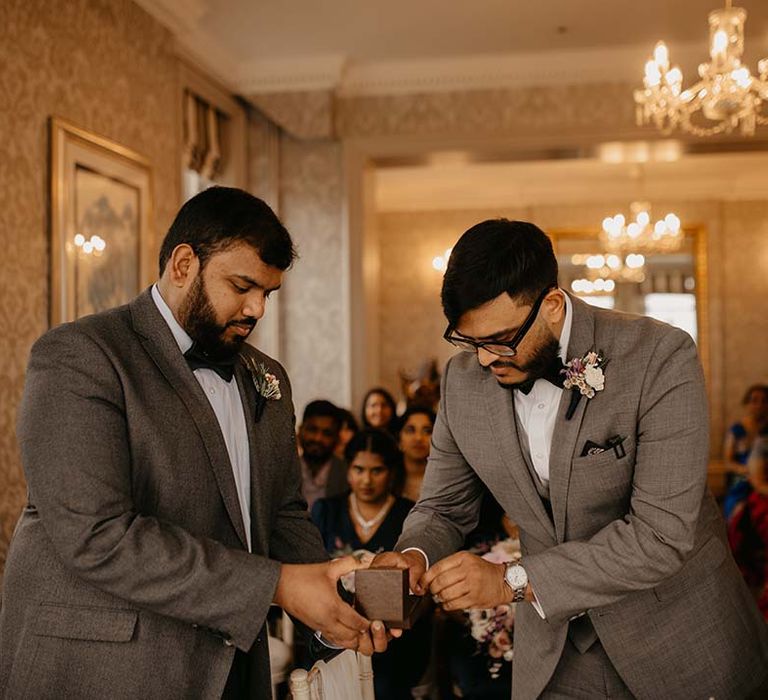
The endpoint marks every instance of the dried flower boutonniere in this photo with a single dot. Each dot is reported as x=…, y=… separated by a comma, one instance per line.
x=267, y=384
x=584, y=375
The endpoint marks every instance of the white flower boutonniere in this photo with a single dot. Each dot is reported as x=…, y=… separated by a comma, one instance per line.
x=585, y=376
x=267, y=384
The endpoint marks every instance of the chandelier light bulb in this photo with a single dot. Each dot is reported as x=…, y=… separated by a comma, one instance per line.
x=672, y=222
x=643, y=218
x=87, y=247
x=661, y=56
x=634, y=230
x=613, y=261
x=741, y=77
x=719, y=44
x=610, y=285
x=79, y=239
x=652, y=74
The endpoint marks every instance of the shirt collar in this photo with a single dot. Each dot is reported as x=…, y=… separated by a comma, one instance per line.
x=565, y=334
x=182, y=339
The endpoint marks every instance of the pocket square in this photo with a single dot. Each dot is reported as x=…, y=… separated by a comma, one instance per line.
x=615, y=443
x=591, y=448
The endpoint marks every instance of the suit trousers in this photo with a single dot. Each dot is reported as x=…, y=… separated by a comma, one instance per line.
x=585, y=676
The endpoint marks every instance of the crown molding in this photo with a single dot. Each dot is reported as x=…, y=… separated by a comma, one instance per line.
x=182, y=18
x=620, y=64
x=322, y=72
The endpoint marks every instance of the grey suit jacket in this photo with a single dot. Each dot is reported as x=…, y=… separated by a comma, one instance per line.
x=635, y=542
x=128, y=575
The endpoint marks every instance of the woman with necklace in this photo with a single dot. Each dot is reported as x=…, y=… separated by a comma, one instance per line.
x=371, y=517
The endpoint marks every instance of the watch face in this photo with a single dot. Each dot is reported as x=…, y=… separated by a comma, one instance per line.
x=516, y=577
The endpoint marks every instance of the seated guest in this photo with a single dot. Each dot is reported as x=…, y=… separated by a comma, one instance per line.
x=738, y=444
x=757, y=505
x=414, y=438
x=379, y=411
x=371, y=517
x=349, y=428
x=322, y=473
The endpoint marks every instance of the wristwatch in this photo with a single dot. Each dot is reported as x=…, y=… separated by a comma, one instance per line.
x=516, y=579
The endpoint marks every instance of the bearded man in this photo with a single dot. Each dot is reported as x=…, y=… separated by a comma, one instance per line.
x=164, y=513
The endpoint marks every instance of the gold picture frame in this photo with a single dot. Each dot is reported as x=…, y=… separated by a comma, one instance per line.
x=101, y=222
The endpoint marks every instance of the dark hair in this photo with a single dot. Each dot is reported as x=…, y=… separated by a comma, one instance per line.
x=415, y=411
x=494, y=257
x=377, y=442
x=347, y=418
x=392, y=425
x=223, y=216
x=321, y=408
x=755, y=387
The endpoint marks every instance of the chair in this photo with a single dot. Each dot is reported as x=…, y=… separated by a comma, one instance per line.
x=280, y=651
x=348, y=676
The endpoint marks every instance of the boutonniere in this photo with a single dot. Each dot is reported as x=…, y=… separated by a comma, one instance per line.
x=267, y=384
x=585, y=377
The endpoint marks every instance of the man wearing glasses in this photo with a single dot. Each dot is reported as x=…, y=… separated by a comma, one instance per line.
x=590, y=429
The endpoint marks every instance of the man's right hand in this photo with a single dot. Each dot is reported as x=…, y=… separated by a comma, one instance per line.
x=309, y=593
x=412, y=560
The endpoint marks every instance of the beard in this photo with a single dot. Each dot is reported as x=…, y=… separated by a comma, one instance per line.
x=538, y=363
x=198, y=318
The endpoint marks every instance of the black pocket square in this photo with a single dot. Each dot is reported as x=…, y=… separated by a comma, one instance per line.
x=615, y=443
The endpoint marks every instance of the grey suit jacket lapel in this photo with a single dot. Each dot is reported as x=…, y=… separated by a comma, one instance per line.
x=500, y=408
x=566, y=432
x=158, y=341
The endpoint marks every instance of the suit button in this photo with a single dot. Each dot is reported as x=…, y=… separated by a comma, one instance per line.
x=228, y=642
x=195, y=626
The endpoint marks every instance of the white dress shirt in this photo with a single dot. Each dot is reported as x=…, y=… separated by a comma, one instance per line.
x=225, y=401
x=537, y=411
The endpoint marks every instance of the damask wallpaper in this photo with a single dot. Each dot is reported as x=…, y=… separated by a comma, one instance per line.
x=311, y=300
x=108, y=67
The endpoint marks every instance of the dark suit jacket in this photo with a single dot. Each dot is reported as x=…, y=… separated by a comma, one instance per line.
x=128, y=575
x=635, y=541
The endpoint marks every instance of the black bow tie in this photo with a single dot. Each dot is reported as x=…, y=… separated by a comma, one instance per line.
x=553, y=375
x=197, y=358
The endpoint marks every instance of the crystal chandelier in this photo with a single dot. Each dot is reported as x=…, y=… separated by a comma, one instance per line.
x=640, y=235
x=727, y=96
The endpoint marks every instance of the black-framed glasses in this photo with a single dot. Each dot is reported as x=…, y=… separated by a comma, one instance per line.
x=502, y=348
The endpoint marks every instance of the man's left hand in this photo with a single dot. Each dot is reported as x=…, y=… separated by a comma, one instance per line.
x=463, y=580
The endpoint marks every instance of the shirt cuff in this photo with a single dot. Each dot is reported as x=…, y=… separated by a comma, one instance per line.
x=420, y=551
x=325, y=642
x=537, y=606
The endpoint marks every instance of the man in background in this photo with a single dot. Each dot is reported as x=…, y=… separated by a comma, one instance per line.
x=323, y=474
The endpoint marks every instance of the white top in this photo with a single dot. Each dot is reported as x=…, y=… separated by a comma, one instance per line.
x=537, y=411
x=225, y=401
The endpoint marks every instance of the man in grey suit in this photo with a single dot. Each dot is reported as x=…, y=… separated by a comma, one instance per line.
x=626, y=587
x=164, y=515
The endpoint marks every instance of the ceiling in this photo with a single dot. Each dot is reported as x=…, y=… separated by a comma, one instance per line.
x=451, y=184
x=370, y=45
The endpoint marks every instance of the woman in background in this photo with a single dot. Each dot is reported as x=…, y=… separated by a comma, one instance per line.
x=415, y=435
x=379, y=411
x=738, y=444
x=349, y=428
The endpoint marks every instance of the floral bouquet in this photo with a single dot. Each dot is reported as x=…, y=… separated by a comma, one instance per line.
x=493, y=628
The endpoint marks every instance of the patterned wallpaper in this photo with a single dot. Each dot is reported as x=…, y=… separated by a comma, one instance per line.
x=412, y=323
x=106, y=66
x=311, y=299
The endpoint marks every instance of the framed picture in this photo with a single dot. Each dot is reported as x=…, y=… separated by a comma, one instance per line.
x=101, y=218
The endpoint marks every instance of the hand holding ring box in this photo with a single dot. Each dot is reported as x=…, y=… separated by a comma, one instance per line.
x=382, y=594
